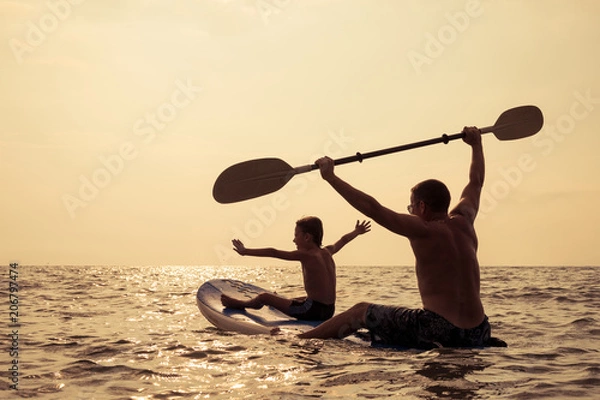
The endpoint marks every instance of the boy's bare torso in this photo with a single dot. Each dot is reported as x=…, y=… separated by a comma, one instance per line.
x=318, y=271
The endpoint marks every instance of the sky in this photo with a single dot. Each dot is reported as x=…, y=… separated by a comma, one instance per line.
x=118, y=116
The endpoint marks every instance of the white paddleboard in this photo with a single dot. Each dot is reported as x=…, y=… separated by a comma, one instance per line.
x=248, y=321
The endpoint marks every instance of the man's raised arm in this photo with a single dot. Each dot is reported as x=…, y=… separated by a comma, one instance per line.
x=402, y=224
x=468, y=205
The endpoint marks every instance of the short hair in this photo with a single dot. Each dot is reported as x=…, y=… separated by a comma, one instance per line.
x=433, y=193
x=313, y=226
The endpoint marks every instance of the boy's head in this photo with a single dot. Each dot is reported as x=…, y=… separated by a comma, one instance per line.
x=312, y=226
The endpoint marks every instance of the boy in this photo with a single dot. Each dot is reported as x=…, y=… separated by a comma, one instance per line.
x=318, y=271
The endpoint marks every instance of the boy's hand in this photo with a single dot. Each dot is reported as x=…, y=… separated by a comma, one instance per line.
x=238, y=246
x=362, y=227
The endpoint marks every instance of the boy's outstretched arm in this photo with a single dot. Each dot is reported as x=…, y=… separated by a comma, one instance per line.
x=359, y=229
x=239, y=247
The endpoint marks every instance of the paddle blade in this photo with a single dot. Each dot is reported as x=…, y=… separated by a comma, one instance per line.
x=251, y=179
x=517, y=123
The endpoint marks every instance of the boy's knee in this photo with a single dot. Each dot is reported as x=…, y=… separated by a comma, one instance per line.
x=263, y=298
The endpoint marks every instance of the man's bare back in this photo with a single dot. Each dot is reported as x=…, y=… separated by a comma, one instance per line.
x=448, y=272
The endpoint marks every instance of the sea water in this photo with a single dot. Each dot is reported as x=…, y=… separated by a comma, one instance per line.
x=100, y=332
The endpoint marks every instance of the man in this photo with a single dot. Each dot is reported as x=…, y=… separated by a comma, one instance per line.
x=318, y=271
x=445, y=247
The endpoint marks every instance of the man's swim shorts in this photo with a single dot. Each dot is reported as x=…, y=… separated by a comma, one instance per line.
x=422, y=329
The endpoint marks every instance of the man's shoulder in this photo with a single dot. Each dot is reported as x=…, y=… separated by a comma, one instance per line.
x=459, y=218
x=464, y=209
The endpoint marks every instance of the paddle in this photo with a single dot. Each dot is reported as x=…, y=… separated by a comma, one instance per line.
x=255, y=178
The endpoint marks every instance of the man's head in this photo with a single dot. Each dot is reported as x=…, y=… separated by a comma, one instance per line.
x=433, y=193
x=313, y=227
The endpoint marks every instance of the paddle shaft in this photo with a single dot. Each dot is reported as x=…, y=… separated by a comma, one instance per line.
x=360, y=156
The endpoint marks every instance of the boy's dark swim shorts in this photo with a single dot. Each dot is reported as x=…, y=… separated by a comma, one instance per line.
x=422, y=329
x=311, y=310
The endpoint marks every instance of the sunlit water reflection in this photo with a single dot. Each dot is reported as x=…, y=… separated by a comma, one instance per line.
x=136, y=333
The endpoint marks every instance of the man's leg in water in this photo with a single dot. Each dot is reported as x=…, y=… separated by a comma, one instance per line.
x=340, y=325
x=263, y=299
